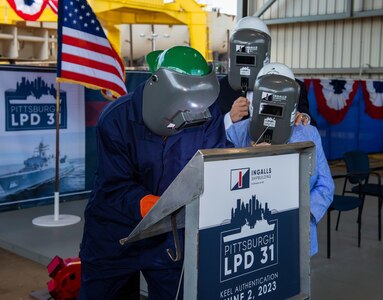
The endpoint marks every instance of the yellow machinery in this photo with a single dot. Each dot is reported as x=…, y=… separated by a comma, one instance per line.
x=115, y=12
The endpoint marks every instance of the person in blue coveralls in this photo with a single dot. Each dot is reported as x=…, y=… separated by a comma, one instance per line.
x=267, y=114
x=144, y=140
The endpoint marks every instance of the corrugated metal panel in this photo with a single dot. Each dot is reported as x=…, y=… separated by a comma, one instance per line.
x=352, y=45
x=365, y=45
x=377, y=41
x=329, y=45
x=340, y=6
x=289, y=36
x=312, y=46
x=320, y=53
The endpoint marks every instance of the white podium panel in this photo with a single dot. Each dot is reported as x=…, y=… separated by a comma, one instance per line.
x=249, y=229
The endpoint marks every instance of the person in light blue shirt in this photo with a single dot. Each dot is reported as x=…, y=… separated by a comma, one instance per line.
x=321, y=182
x=277, y=82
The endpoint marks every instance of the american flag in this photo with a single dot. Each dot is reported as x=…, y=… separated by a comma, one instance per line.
x=53, y=4
x=85, y=55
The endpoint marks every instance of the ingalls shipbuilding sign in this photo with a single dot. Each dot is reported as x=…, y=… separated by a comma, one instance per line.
x=249, y=229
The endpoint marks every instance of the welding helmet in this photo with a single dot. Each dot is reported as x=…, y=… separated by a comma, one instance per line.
x=179, y=92
x=275, y=102
x=249, y=51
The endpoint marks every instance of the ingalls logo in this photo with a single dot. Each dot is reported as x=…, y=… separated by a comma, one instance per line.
x=240, y=179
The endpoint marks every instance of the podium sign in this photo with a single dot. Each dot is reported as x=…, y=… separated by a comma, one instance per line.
x=246, y=214
x=248, y=229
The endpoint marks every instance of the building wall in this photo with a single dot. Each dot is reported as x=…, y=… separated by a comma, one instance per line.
x=326, y=38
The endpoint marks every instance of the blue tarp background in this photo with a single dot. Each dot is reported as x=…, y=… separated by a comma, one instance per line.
x=94, y=101
x=356, y=131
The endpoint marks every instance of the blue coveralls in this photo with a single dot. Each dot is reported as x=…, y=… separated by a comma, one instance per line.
x=132, y=163
x=321, y=182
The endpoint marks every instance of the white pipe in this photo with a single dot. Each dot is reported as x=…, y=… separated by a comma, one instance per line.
x=24, y=38
x=6, y=36
x=56, y=206
x=27, y=38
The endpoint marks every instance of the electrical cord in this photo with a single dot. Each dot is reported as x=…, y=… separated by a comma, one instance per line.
x=179, y=283
x=261, y=135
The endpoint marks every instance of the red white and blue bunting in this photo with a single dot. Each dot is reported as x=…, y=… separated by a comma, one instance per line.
x=348, y=114
x=373, y=98
x=31, y=10
x=334, y=97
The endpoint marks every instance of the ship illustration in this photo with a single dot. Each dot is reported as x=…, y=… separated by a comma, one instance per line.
x=38, y=169
x=246, y=231
x=251, y=218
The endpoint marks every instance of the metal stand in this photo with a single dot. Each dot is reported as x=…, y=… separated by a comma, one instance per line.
x=55, y=219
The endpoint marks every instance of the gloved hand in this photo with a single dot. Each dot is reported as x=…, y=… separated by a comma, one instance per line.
x=147, y=203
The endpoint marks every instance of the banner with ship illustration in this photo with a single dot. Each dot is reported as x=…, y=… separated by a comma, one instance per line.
x=249, y=229
x=28, y=136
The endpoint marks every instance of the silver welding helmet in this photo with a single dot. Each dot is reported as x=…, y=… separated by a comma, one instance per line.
x=275, y=102
x=179, y=92
x=249, y=51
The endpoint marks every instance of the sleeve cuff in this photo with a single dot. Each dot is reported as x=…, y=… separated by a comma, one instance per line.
x=227, y=121
x=304, y=115
x=312, y=219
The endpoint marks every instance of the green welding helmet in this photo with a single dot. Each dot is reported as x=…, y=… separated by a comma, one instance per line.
x=179, y=92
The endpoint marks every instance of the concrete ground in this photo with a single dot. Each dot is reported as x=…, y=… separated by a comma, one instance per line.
x=20, y=276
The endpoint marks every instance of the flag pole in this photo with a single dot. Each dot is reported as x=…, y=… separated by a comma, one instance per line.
x=56, y=219
x=57, y=156
x=70, y=26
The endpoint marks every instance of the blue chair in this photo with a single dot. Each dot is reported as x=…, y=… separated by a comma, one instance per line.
x=343, y=203
x=358, y=167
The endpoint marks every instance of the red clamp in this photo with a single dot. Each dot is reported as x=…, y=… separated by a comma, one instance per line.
x=66, y=278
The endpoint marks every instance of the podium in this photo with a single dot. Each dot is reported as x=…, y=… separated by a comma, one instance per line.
x=246, y=215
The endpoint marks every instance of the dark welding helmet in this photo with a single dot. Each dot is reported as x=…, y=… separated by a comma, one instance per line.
x=249, y=51
x=179, y=92
x=275, y=102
